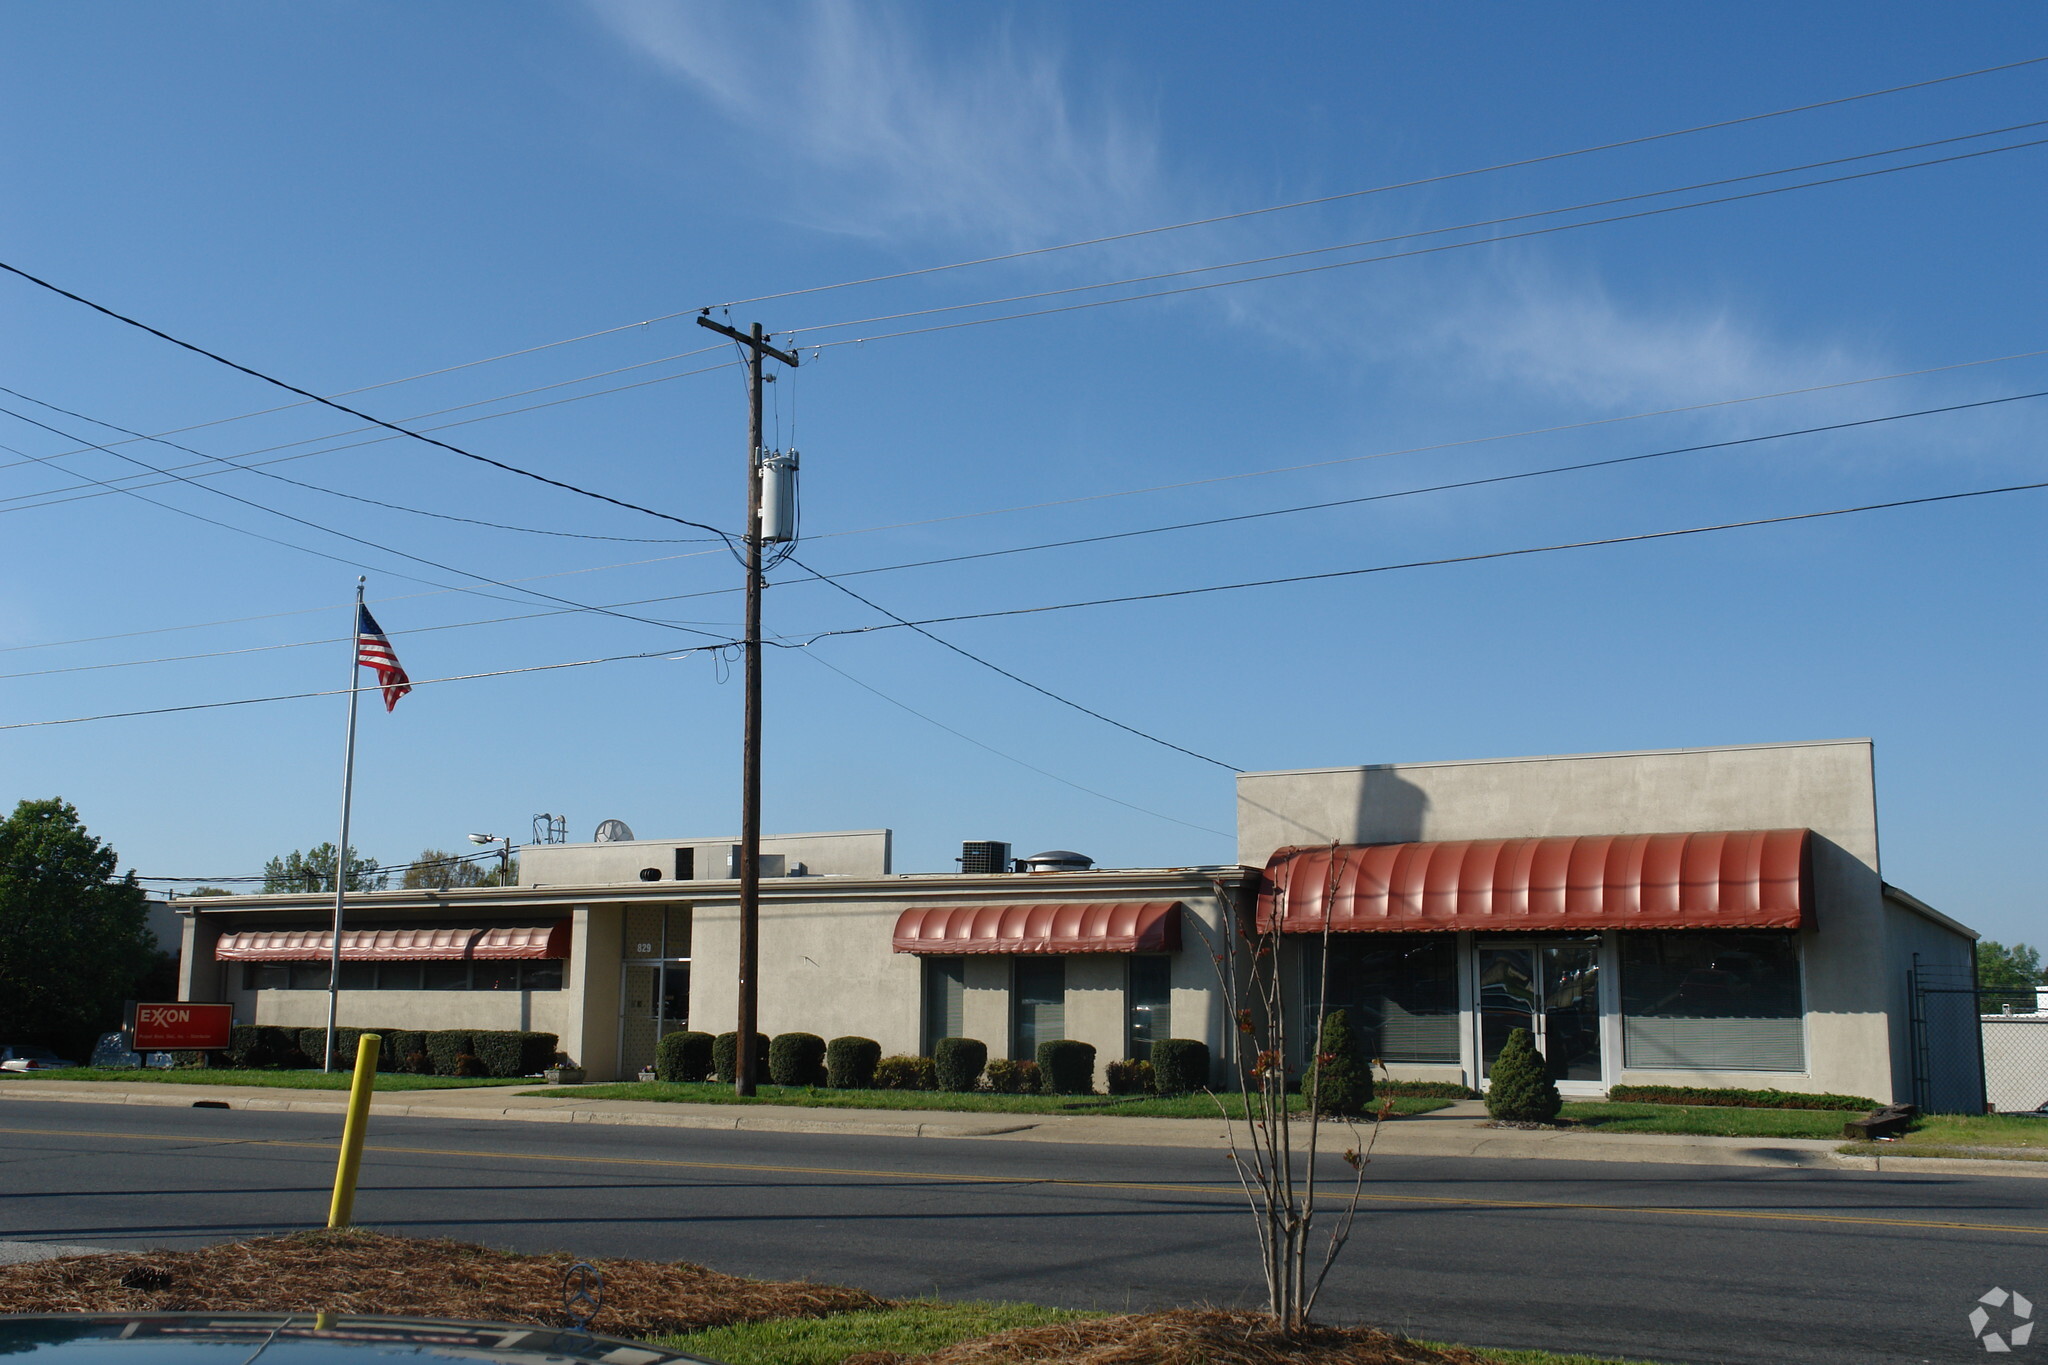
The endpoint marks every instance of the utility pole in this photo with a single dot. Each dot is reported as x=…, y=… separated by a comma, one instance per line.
x=755, y=346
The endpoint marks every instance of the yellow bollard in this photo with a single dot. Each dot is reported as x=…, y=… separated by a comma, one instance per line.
x=367, y=1048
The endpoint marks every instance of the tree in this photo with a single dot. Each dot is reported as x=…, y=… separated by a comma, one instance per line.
x=1276, y=1163
x=208, y=891
x=439, y=870
x=1519, y=1087
x=1341, y=1076
x=313, y=870
x=502, y=874
x=74, y=936
x=2008, y=975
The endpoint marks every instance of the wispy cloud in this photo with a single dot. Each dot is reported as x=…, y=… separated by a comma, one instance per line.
x=985, y=137
x=1522, y=325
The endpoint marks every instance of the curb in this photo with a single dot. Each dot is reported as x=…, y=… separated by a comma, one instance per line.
x=738, y=1122
x=1399, y=1141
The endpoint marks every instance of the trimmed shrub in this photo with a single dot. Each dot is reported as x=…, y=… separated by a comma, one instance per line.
x=1005, y=1077
x=313, y=1042
x=850, y=1063
x=190, y=1061
x=513, y=1052
x=725, y=1056
x=1521, y=1090
x=408, y=1050
x=261, y=1046
x=1737, y=1099
x=1128, y=1077
x=470, y=1067
x=1340, y=1078
x=1067, y=1067
x=684, y=1056
x=444, y=1046
x=906, y=1073
x=1426, y=1090
x=959, y=1062
x=796, y=1059
x=1180, y=1066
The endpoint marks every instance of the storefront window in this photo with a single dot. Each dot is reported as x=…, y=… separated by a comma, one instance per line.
x=1150, y=1005
x=1038, y=1004
x=1711, y=1002
x=945, y=994
x=539, y=974
x=1401, y=990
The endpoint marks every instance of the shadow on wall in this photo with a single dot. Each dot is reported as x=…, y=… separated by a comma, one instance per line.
x=1362, y=806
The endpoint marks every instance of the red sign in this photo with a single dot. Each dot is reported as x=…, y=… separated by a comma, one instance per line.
x=182, y=1027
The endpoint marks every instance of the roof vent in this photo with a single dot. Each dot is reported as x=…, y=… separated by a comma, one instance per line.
x=613, y=832
x=1057, y=860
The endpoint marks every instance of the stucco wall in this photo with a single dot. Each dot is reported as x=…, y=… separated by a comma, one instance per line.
x=544, y=1011
x=1826, y=786
x=840, y=853
x=828, y=966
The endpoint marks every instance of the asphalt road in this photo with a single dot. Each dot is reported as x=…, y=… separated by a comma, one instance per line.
x=1670, y=1263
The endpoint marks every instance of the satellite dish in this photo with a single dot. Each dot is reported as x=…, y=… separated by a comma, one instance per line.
x=613, y=832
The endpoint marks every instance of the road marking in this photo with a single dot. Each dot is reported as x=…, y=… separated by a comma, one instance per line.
x=957, y=1178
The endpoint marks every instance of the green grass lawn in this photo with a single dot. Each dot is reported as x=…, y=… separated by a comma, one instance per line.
x=1143, y=1106
x=926, y=1325
x=286, y=1080
x=1706, y=1120
x=2007, y=1137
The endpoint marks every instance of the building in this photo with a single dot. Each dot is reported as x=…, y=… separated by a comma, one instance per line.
x=1691, y=917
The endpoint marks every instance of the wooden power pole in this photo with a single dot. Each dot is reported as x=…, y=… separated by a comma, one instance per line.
x=744, y=1079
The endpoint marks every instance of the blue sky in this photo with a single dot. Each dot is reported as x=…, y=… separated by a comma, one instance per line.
x=351, y=195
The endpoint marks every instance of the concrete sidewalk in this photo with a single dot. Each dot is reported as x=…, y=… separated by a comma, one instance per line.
x=1460, y=1130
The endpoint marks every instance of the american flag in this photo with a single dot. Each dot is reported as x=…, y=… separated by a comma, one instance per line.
x=374, y=651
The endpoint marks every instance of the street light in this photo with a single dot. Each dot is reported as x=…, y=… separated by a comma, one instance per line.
x=504, y=854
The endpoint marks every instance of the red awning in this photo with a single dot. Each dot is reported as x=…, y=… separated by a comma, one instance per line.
x=396, y=945
x=1749, y=879
x=1096, y=927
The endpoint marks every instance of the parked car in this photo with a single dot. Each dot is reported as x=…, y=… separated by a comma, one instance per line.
x=28, y=1057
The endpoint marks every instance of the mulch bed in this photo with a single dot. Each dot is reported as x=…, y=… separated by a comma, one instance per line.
x=1181, y=1337
x=354, y=1271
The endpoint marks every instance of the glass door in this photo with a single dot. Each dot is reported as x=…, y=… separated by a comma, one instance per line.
x=1551, y=988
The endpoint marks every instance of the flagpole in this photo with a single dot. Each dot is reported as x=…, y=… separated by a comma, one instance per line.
x=348, y=782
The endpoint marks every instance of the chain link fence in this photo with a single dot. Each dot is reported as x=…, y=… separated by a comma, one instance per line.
x=1949, y=1042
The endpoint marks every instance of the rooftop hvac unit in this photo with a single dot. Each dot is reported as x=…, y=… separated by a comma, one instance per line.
x=984, y=856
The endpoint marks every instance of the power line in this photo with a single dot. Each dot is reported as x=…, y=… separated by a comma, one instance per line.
x=50, y=500
x=898, y=623
x=1426, y=449
x=1384, y=189
x=437, y=412
x=343, y=691
x=1418, y=251
x=1445, y=487
x=1436, y=563
x=331, y=492
x=382, y=870
x=1377, y=455
x=1140, y=232
x=1435, y=231
x=998, y=668
x=353, y=412
x=418, y=559
x=1125, y=535
x=1007, y=757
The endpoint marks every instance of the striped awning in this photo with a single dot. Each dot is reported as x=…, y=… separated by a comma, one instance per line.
x=1745, y=879
x=1053, y=927
x=396, y=945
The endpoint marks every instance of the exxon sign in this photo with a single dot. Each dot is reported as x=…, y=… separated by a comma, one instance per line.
x=182, y=1027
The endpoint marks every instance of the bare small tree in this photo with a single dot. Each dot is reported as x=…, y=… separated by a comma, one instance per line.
x=1276, y=1161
